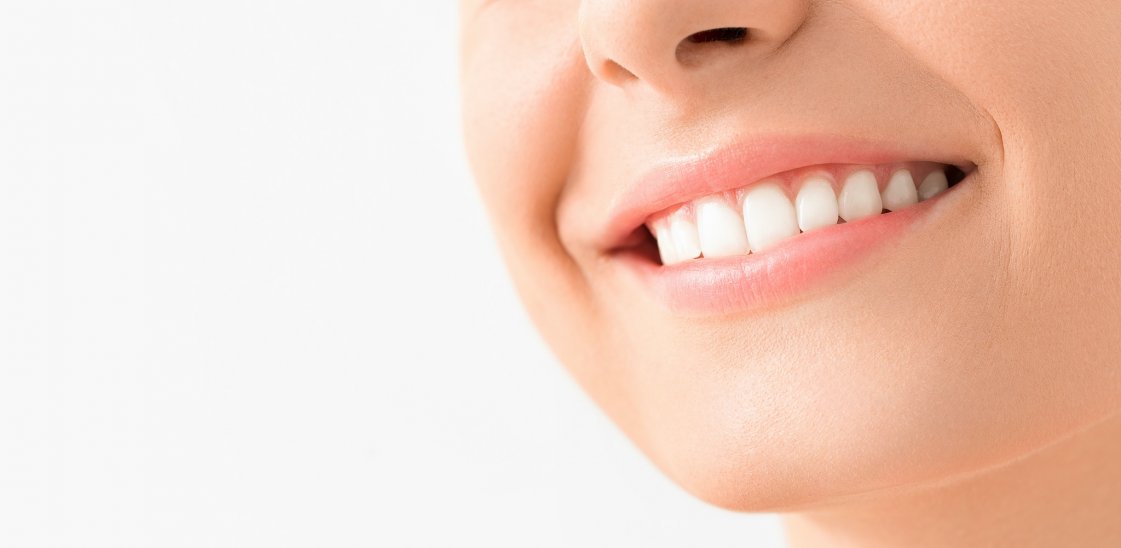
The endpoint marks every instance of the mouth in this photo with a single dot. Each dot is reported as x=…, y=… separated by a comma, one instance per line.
x=705, y=242
x=761, y=216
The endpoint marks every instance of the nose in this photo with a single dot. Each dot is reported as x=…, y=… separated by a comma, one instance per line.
x=665, y=44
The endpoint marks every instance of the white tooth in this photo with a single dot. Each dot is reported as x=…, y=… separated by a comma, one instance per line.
x=900, y=191
x=720, y=228
x=683, y=234
x=860, y=197
x=666, y=250
x=769, y=216
x=933, y=185
x=816, y=204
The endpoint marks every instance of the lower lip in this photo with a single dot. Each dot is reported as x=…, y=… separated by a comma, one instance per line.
x=757, y=282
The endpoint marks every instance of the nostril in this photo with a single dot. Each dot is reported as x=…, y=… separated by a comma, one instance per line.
x=699, y=46
x=728, y=34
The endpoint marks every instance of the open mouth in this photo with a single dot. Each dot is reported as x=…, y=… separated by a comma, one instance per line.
x=757, y=223
x=765, y=214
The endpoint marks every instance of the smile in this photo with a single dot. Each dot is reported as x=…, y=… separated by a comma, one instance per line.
x=758, y=217
x=754, y=225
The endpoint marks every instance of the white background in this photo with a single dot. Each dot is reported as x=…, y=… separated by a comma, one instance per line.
x=248, y=298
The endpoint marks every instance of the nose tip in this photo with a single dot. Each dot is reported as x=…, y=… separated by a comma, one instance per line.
x=664, y=43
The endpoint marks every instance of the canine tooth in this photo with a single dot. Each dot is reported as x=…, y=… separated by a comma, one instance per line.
x=816, y=204
x=900, y=191
x=662, y=234
x=860, y=197
x=933, y=185
x=683, y=234
x=720, y=228
x=769, y=216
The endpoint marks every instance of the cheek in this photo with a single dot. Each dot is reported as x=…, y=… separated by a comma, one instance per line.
x=522, y=76
x=524, y=82
x=521, y=80
x=1049, y=75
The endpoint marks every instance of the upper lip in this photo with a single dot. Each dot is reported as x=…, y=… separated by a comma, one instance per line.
x=741, y=163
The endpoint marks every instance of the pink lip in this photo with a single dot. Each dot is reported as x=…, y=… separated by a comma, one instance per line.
x=753, y=282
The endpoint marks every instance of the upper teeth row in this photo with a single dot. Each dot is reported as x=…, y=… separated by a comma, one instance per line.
x=713, y=226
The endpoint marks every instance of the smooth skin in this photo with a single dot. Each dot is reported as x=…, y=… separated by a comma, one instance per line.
x=963, y=387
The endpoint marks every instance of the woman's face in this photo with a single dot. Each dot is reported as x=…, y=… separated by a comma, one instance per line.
x=822, y=347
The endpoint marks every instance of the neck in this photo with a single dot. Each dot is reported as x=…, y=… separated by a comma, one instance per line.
x=1067, y=494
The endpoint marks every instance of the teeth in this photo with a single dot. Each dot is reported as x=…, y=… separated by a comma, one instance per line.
x=860, y=197
x=683, y=234
x=713, y=226
x=769, y=216
x=662, y=234
x=720, y=228
x=900, y=191
x=933, y=185
x=816, y=204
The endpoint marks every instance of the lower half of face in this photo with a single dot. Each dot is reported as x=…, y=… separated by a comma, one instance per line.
x=801, y=250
